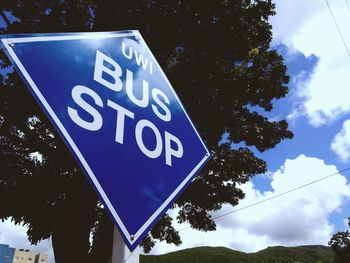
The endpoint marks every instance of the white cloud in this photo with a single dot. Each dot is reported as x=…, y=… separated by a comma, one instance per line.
x=297, y=218
x=341, y=142
x=267, y=175
x=308, y=27
x=16, y=237
x=291, y=16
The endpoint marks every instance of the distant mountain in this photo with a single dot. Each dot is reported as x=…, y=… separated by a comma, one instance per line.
x=302, y=254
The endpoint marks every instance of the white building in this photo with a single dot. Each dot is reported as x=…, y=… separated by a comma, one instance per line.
x=26, y=256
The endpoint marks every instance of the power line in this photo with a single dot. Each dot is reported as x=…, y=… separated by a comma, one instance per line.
x=275, y=196
x=336, y=24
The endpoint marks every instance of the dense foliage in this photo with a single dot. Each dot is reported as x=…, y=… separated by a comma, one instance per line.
x=216, y=54
x=340, y=243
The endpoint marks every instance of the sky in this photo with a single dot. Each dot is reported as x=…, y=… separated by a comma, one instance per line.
x=318, y=111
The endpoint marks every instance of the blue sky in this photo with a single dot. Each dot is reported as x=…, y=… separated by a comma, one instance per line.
x=312, y=139
x=318, y=111
x=308, y=140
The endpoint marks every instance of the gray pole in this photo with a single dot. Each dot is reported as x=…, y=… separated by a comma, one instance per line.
x=121, y=253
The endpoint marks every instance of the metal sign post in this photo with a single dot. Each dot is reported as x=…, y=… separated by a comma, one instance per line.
x=121, y=252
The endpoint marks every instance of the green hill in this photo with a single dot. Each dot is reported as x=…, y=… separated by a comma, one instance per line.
x=302, y=254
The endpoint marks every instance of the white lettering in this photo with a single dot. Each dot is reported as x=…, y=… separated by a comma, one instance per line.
x=128, y=56
x=121, y=113
x=170, y=151
x=97, y=121
x=138, y=135
x=108, y=73
x=140, y=60
x=156, y=94
x=143, y=102
x=100, y=68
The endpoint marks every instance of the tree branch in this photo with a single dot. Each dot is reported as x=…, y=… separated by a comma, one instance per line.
x=4, y=17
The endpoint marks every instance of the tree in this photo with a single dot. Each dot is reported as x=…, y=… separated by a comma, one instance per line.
x=340, y=243
x=218, y=57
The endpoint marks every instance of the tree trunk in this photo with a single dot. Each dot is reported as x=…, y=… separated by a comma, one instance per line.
x=106, y=19
x=70, y=239
x=70, y=243
x=101, y=249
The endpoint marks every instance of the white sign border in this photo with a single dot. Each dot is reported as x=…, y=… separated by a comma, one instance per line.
x=11, y=41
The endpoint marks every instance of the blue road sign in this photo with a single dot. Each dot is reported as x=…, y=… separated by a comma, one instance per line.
x=119, y=115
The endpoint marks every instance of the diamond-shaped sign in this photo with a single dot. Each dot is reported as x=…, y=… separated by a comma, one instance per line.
x=117, y=112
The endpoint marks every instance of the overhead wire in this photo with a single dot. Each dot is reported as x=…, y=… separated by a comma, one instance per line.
x=338, y=28
x=304, y=185
x=275, y=196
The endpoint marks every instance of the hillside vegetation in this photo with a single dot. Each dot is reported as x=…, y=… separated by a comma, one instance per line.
x=302, y=254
